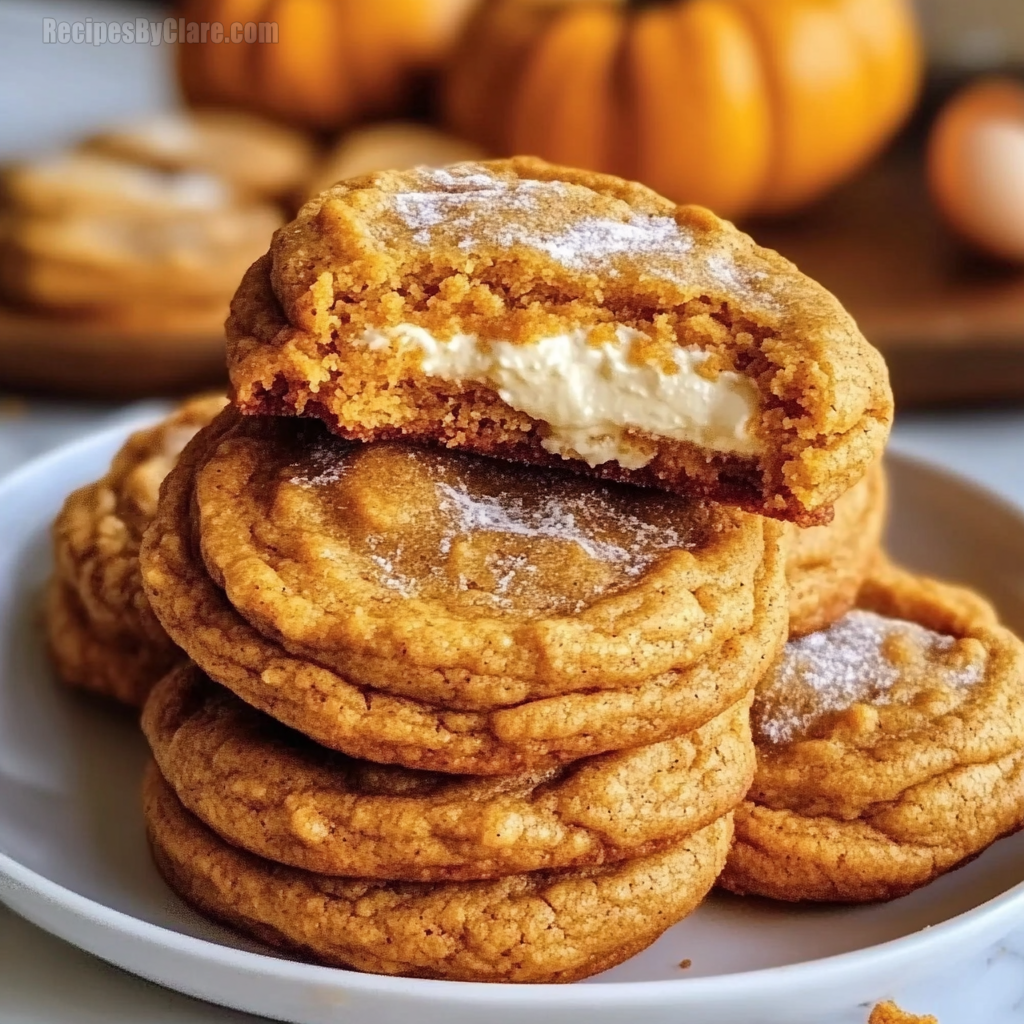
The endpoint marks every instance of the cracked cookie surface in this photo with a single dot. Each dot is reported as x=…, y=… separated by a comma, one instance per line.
x=324, y=704
x=102, y=633
x=890, y=747
x=549, y=926
x=268, y=790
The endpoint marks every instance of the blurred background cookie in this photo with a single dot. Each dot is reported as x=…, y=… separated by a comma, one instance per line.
x=261, y=158
x=393, y=145
x=118, y=258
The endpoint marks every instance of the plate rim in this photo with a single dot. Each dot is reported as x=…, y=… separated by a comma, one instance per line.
x=1003, y=911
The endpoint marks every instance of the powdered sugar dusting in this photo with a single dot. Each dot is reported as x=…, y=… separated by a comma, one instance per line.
x=849, y=663
x=426, y=525
x=557, y=518
x=593, y=240
x=323, y=465
x=472, y=206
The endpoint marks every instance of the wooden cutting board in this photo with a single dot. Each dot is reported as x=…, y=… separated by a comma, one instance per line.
x=160, y=354
x=950, y=324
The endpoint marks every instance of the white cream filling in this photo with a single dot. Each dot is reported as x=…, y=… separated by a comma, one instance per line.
x=590, y=395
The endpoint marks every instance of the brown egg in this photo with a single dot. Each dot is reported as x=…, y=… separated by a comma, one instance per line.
x=976, y=166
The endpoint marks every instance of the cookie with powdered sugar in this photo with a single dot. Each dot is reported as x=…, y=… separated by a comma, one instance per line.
x=562, y=318
x=453, y=613
x=890, y=747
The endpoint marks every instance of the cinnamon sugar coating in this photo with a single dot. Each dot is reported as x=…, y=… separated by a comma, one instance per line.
x=517, y=250
x=890, y=748
x=542, y=927
x=827, y=565
x=103, y=636
x=270, y=791
x=323, y=703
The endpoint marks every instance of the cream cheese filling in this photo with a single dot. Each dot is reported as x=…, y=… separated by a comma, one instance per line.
x=591, y=395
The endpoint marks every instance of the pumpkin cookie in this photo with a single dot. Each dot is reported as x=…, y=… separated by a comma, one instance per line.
x=264, y=159
x=101, y=260
x=309, y=695
x=269, y=790
x=890, y=748
x=72, y=183
x=465, y=582
x=542, y=927
x=826, y=565
x=102, y=633
x=562, y=318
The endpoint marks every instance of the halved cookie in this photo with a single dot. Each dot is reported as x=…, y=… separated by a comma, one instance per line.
x=561, y=317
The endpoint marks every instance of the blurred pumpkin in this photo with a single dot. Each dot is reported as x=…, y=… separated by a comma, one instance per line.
x=745, y=106
x=333, y=61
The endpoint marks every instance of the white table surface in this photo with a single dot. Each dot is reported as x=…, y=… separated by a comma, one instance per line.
x=48, y=93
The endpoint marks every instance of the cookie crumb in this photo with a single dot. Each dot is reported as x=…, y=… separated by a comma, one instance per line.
x=890, y=1013
x=684, y=964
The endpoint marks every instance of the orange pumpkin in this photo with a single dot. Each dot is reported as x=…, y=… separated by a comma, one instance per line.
x=745, y=106
x=333, y=61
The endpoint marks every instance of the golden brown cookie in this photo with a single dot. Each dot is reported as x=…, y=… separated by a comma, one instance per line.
x=270, y=791
x=541, y=927
x=465, y=582
x=102, y=633
x=74, y=183
x=98, y=260
x=826, y=565
x=890, y=748
x=562, y=318
x=261, y=158
x=324, y=704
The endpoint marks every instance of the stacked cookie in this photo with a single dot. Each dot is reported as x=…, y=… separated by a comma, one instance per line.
x=415, y=666
x=527, y=479
x=426, y=680
x=103, y=636
x=149, y=224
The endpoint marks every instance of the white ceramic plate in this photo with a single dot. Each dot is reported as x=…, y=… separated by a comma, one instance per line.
x=73, y=857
